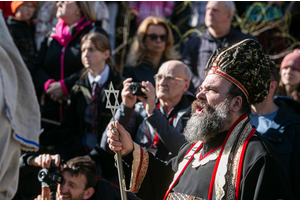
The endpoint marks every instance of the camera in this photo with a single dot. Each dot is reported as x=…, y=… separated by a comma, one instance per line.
x=50, y=178
x=135, y=89
x=51, y=175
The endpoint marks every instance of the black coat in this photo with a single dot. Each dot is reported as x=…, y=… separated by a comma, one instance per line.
x=143, y=72
x=23, y=36
x=74, y=124
x=262, y=176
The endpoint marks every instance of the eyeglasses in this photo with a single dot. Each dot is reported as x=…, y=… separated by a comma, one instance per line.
x=168, y=78
x=154, y=37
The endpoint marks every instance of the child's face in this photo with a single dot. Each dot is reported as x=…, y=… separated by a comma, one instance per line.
x=25, y=11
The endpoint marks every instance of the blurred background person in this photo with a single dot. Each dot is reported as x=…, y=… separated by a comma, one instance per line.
x=113, y=8
x=152, y=46
x=6, y=9
x=277, y=119
x=22, y=29
x=86, y=117
x=46, y=19
x=144, y=9
x=290, y=75
x=219, y=33
x=58, y=64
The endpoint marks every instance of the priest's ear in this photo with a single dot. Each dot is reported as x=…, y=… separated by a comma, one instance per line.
x=236, y=104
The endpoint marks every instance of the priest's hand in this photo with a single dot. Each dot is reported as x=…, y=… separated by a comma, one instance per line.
x=122, y=143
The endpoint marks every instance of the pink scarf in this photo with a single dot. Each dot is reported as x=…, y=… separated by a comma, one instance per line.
x=62, y=31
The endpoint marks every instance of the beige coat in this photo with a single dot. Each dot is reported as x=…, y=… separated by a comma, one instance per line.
x=20, y=115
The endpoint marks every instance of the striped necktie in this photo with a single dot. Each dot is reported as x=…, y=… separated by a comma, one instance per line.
x=95, y=93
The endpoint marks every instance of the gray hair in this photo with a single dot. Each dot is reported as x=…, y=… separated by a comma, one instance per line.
x=188, y=72
x=230, y=6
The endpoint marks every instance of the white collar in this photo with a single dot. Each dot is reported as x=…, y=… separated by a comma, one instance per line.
x=100, y=78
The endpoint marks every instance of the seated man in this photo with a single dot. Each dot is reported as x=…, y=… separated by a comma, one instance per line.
x=79, y=178
x=278, y=120
x=157, y=124
x=225, y=157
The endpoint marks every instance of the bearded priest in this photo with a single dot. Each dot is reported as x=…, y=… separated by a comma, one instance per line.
x=225, y=158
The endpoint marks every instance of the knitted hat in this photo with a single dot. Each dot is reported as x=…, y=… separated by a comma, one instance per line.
x=291, y=60
x=246, y=65
x=16, y=4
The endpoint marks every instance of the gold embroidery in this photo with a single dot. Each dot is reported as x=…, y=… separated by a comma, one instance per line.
x=235, y=163
x=232, y=168
x=180, y=196
x=135, y=180
x=143, y=170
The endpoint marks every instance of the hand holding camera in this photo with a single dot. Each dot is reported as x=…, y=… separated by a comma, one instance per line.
x=144, y=91
x=50, y=175
x=44, y=160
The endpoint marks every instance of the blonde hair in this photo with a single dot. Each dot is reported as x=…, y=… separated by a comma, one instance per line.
x=101, y=43
x=87, y=9
x=138, y=49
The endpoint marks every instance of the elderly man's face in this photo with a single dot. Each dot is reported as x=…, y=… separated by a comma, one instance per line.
x=72, y=187
x=216, y=15
x=211, y=110
x=173, y=82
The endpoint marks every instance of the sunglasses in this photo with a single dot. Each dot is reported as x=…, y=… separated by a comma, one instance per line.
x=154, y=37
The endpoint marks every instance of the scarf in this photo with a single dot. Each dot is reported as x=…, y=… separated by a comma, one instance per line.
x=65, y=33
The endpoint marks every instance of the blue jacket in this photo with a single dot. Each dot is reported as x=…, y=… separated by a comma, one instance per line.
x=284, y=135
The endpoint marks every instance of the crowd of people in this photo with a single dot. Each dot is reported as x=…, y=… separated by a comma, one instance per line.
x=217, y=118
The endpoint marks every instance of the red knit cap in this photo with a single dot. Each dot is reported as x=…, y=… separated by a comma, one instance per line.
x=291, y=60
x=16, y=4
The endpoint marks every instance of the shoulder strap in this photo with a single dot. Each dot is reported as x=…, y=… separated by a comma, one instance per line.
x=86, y=94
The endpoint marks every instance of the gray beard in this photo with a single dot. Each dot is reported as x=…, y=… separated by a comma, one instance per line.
x=209, y=123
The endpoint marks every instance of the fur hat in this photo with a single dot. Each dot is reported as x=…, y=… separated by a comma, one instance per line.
x=16, y=4
x=291, y=60
x=246, y=65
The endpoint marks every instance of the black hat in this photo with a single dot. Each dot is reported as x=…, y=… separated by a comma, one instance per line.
x=246, y=65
